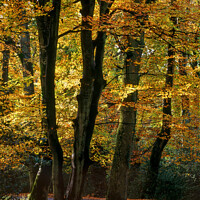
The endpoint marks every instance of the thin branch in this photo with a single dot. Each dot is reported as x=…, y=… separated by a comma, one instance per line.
x=140, y=74
x=112, y=79
x=114, y=122
x=70, y=31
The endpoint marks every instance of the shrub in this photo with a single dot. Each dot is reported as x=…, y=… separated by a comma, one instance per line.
x=13, y=181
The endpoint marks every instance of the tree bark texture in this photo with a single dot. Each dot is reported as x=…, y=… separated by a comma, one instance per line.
x=117, y=188
x=42, y=182
x=125, y=144
x=48, y=36
x=92, y=85
x=25, y=57
x=164, y=136
x=33, y=170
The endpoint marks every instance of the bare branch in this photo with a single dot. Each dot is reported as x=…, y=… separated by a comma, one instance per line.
x=70, y=31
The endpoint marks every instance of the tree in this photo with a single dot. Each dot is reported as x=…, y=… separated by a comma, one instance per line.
x=25, y=57
x=150, y=107
x=48, y=24
x=27, y=68
x=40, y=188
x=92, y=84
x=126, y=129
x=126, y=142
x=164, y=136
x=4, y=81
x=177, y=20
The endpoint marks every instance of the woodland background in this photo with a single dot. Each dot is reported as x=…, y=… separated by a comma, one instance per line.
x=102, y=97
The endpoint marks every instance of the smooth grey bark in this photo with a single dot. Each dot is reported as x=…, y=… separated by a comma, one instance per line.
x=125, y=143
x=92, y=84
x=48, y=37
x=164, y=135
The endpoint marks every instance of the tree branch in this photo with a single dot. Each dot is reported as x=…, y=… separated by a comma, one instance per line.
x=70, y=31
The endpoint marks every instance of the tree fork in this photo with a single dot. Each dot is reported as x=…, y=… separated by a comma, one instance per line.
x=92, y=85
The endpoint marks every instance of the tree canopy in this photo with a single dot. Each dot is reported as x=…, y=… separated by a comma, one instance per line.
x=111, y=83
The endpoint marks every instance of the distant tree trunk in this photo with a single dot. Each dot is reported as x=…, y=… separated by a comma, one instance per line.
x=92, y=84
x=194, y=65
x=42, y=182
x=184, y=98
x=25, y=57
x=24, y=54
x=6, y=57
x=117, y=188
x=164, y=136
x=4, y=80
x=48, y=36
x=33, y=170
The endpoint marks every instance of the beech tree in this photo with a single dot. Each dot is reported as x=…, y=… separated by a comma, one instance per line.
x=24, y=54
x=25, y=57
x=92, y=84
x=48, y=24
x=143, y=29
x=165, y=133
x=6, y=56
x=126, y=142
x=4, y=80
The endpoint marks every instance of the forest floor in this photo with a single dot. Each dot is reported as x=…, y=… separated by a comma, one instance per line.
x=50, y=197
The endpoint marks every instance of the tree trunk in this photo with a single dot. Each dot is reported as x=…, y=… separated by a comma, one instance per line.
x=117, y=188
x=92, y=84
x=33, y=170
x=164, y=135
x=42, y=182
x=185, y=98
x=48, y=36
x=194, y=65
x=4, y=109
x=6, y=57
x=25, y=57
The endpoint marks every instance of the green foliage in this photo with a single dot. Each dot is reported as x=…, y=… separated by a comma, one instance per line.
x=13, y=181
x=178, y=182
x=170, y=184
